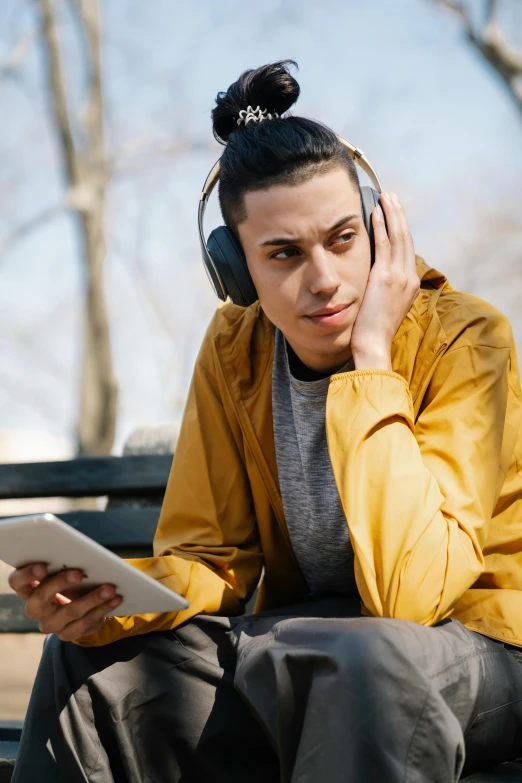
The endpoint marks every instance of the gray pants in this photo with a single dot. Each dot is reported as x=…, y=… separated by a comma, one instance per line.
x=308, y=694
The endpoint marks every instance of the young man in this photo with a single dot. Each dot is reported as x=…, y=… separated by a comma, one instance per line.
x=356, y=433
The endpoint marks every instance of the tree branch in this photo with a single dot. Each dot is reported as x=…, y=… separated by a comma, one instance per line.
x=26, y=228
x=57, y=86
x=506, y=55
x=504, y=58
x=15, y=57
x=137, y=154
x=87, y=13
x=458, y=8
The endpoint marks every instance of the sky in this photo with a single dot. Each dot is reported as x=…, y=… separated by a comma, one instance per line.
x=397, y=78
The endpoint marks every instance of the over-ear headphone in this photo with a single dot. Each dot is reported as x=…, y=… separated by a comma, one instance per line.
x=223, y=256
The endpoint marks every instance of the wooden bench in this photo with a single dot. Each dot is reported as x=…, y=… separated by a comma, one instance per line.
x=135, y=485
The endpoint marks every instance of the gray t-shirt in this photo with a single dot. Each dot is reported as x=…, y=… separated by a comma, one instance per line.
x=313, y=512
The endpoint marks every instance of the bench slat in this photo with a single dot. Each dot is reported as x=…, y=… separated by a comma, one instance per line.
x=13, y=620
x=86, y=477
x=118, y=527
x=10, y=730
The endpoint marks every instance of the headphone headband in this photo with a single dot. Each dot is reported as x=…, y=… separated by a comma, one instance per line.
x=211, y=181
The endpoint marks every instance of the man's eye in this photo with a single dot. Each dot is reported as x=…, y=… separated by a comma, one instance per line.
x=343, y=239
x=290, y=250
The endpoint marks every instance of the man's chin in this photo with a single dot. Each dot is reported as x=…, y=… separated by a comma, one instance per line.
x=331, y=352
x=331, y=343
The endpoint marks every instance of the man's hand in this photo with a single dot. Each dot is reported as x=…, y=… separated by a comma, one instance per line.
x=392, y=287
x=46, y=601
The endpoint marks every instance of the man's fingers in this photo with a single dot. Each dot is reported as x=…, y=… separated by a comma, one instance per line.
x=406, y=239
x=24, y=580
x=392, y=227
x=397, y=229
x=61, y=600
x=89, y=623
x=382, y=242
x=77, y=630
x=40, y=603
x=402, y=266
x=77, y=609
x=57, y=613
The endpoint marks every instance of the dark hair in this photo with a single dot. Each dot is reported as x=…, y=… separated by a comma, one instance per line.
x=284, y=151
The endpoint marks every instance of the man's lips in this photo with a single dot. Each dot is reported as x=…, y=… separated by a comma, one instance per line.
x=328, y=310
x=330, y=316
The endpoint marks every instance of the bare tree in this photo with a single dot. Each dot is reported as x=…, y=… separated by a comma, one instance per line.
x=489, y=40
x=92, y=162
x=86, y=171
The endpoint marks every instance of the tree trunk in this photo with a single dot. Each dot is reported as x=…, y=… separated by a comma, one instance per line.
x=86, y=172
x=98, y=390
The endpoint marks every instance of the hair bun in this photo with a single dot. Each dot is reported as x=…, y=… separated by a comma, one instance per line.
x=271, y=87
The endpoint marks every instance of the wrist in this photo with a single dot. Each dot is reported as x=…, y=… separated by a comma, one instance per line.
x=372, y=359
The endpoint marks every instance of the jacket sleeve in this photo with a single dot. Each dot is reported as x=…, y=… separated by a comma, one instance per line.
x=418, y=496
x=207, y=545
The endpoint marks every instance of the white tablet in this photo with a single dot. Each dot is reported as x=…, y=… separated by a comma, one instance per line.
x=44, y=538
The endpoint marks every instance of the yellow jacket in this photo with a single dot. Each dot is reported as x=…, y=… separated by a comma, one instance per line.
x=427, y=460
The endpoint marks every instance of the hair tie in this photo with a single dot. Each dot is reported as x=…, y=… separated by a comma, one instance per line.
x=255, y=115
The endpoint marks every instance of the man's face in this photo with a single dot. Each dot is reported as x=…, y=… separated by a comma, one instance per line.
x=309, y=256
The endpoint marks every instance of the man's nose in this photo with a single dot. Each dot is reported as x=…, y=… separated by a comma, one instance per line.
x=322, y=271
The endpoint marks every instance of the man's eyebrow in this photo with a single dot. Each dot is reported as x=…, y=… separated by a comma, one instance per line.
x=294, y=240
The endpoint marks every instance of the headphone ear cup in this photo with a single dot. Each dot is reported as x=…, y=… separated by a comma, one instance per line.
x=229, y=259
x=369, y=199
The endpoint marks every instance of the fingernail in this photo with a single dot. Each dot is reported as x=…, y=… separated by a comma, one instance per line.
x=394, y=198
x=106, y=592
x=73, y=577
x=380, y=213
x=115, y=601
x=39, y=571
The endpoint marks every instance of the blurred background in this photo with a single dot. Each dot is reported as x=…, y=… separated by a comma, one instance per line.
x=105, y=141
